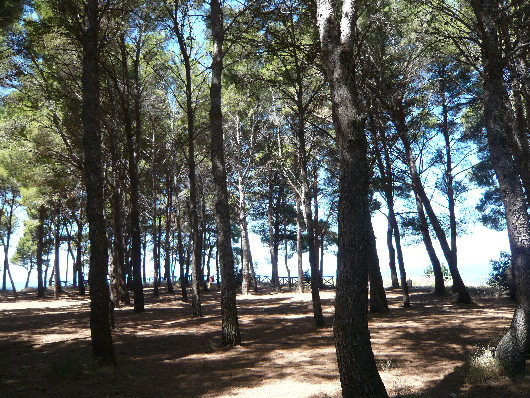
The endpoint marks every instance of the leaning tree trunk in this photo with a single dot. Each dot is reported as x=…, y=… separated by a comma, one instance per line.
x=230, y=323
x=99, y=291
x=417, y=186
x=358, y=371
x=513, y=348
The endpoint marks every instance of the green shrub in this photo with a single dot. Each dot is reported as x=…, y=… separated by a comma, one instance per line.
x=499, y=272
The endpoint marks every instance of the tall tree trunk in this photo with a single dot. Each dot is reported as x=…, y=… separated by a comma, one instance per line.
x=358, y=371
x=40, y=246
x=194, y=217
x=154, y=216
x=388, y=188
x=132, y=143
x=272, y=243
x=391, y=256
x=245, y=246
x=57, y=289
x=230, y=323
x=167, y=243
x=299, y=246
x=513, y=348
x=9, y=231
x=316, y=281
x=180, y=248
x=99, y=291
x=120, y=294
x=79, y=256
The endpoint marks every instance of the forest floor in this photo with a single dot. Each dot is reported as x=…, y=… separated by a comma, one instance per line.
x=422, y=351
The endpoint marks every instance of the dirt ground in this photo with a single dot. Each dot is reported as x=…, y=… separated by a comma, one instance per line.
x=421, y=351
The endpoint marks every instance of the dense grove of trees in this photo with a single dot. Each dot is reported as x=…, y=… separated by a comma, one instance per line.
x=181, y=126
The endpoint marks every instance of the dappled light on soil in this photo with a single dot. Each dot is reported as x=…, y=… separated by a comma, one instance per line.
x=420, y=351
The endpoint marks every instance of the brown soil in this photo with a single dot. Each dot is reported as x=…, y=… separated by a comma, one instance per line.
x=421, y=351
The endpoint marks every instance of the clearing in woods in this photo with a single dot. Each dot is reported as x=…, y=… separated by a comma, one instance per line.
x=421, y=351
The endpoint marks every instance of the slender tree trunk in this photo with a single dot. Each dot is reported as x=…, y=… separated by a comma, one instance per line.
x=194, y=218
x=40, y=244
x=6, y=249
x=182, y=257
x=245, y=246
x=299, y=246
x=154, y=216
x=121, y=295
x=230, y=323
x=167, y=243
x=391, y=256
x=272, y=244
x=57, y=289
x=450, y=256
x=79, y=256
x=144, y=254
x=99, y=291
x=132, y=144
x=357, y=368
x=513, y=348
x=29, y=272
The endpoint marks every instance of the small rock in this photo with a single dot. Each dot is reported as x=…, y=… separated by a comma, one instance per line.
x=452, y=395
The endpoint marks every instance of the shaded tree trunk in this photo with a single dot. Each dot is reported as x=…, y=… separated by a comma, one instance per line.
x=358, y=371
x=167, y=243
x=230, y=324
x=378, y=301
x=299, y=246
x=101, y=337
x=513, y=348
x=79, y=256
x=133, y=154
x=182, y=257
x=57, y=288
x=40, y=246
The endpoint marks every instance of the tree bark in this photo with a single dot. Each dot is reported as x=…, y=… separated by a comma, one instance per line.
x=273, y=245
x=180, y=248
x=230, y=324
x=167, y=243
x=513, y=348
x=101, y=337
x=79, y=256
x=134, y=183
x=357, y=367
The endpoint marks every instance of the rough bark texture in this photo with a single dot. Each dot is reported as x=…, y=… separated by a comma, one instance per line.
x=273, y=237
x=357, y=367
x=99, y=291
x=230, y=323
x=79, y=256
x=513, y=348
x=182, y=257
